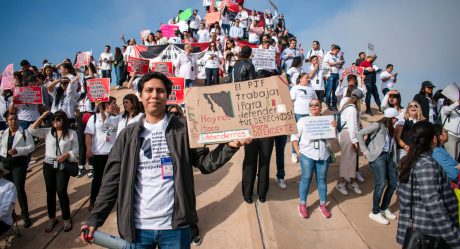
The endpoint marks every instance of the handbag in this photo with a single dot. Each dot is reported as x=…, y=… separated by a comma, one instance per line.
x=332, y=158
x=68, y=167
x=415, y=239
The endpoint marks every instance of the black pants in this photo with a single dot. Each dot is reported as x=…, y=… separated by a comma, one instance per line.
x=81, y=140
x=99, y=162
x=257, y=153
x=56, y=182
x=320, y=95
x=212, y=76
x=4, y=227
x=17, y=175
x=372, y=91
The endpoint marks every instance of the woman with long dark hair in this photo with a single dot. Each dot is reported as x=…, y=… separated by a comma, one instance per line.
x=426, y=199
x=133, y=112
x=61, y=144
x=118, y=67
x=380, y=151
x=213, y=58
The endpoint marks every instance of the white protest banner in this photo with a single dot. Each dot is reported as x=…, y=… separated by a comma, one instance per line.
x=263, y=58
x=8, y=77
x=319, y=127
x=452, y=91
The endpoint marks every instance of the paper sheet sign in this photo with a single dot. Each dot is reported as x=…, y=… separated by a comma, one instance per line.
x=98, y=89
x=177, y=93
x=256, y=108
x=452, y=91
x=319, y=127
x=8, y=77
x=165, y=68
x=137, y=65
x=264, y=58
x=168, y=30
x=31, y=95
x=83, y=59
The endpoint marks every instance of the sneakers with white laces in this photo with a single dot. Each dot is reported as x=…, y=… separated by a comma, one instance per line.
x=359, y=177
x=354, y=186
x=388, y=214
x=341, y=188
x=281, y=183
x=379, y=218
x=294, y=158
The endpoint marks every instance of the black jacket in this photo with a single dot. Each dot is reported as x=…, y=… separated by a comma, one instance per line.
x=243, y=70
x=425, y=105
x=118, y=183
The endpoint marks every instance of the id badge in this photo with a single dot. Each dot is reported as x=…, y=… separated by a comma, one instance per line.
x=317, y=81
x=167, y=171
x=193, y=69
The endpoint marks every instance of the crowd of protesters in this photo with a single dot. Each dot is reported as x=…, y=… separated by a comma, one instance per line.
x=139, y=157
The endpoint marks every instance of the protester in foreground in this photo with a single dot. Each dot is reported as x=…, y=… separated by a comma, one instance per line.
x=154, y=196
x=380, y=151
x=426, y=198
x=412, y=115
x=314, y=157
x=450, y=117
x=371, y=82
x=16, y=145
x=61, y=144
x=7, y=201
x=348, y=141
x=425, y=99
x=186, y=66
x=442, y=157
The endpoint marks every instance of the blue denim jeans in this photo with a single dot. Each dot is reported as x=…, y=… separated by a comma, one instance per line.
x=165, y=239
x=118, y=75
x=280, y=144
x=297, y=117
x=331, y=86
x=189, y=83
x=372, y=91
x=384, y=170
x=309, y=166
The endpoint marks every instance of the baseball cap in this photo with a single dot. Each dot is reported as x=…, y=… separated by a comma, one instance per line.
x=390, y=113
x=357, y=93
x=428, y=83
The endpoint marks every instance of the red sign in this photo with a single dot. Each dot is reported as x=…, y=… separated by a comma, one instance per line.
x=138, y=66
x=168, y=30
x=31, y=95
x=8, y=77
x=177, y=93
x=358, y=71
x=98, y=89
x=83, y=59
x=165, y=68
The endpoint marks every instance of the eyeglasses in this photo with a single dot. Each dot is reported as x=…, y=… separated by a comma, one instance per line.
x=57, y=119
x=315, y=105
x=410, y=106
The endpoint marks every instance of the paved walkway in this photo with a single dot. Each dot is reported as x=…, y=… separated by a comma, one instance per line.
x=226, y=221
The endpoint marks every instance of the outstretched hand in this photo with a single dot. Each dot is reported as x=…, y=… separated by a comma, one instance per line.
x=236, y=144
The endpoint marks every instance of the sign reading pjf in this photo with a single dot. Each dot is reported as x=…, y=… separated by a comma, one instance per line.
x=138, y=66
x=31, y=95
x=98, y=89
x=256, y=108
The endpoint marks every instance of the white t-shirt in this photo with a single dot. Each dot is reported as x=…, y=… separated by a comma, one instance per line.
x=301, y=97
x=317, y=81
x=106, y=133
x=122, y=123
x=154, y=189
x=389, y=83
x=202, y=35
x=68, y=101
x=215, y=62
x=7, y=198
x=329, y=58
x=28, y=113
x=294, y=73
x=319, y=53
x=243, y=17
x=313, y=149
x=195, y=22
x=105, y=65
x=4, y=104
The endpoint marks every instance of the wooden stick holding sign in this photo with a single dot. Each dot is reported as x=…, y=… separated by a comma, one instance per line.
x=98, y=89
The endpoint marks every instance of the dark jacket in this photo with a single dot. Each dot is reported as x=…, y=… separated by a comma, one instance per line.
x=371, y=77
x=243, y=70
x=120, y=174
x=424, y=104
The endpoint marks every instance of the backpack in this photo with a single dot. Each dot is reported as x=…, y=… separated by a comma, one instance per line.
x=339, y=119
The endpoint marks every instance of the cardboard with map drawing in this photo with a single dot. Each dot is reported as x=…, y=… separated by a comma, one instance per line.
x=257, y=108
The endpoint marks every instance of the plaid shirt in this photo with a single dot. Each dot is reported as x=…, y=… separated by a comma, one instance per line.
x=435, y=205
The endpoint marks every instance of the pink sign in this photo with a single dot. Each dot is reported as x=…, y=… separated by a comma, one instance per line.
x=163, y=67
x=168, y=30
x=83, y=59
x=8, y=77
x=31, y=95
x=138, y=66
x=98, y=89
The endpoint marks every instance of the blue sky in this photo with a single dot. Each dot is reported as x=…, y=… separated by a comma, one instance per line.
x=418, y=37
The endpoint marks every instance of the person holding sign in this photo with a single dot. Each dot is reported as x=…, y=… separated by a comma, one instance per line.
x=150, y=176
x=314, y=157
x=380, y=150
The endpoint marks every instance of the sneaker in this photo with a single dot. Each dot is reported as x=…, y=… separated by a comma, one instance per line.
x=341, y=188
x=67, y=225
x=196, y=241
x=379, y=218
x=388, y=214
x=81, y=173
x=294, y=158
x=118, y=87
x=324, y=211
x=354, y=186
x=359, y=177
x=303, y=212
x=91, y=173
x=281, y=183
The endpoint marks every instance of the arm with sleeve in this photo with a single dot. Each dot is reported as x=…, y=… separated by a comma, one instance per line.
x=29, y=145
x=371, y=129
x=447, y=163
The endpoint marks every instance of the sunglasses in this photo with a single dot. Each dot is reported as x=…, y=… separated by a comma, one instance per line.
x=315, y=105
x=393, y=96
x=56, y=119
x=416, y=106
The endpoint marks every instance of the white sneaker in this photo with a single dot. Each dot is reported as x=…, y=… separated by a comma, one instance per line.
x=359, y=177
x=281, y=183
x=294, y=158
x=379, y=218
x=388, y=214
x=341, y=188
x=118, y=87
x=354, y=186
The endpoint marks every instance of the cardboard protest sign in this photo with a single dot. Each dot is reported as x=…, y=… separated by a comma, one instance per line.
x=165, y=68
x=8, y=77
x=145, y=33
x=212, y=18
x=256, y=108
x=138, y=66
x=452, y=91
x=98, y=89
x=168, y=30
x=31, y=95
x=177, y=93
x=319, y=127
x=264, y=58
x=83, y=59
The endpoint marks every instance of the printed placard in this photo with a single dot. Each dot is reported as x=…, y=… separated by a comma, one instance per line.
x=165, y=68
x=177, y=93
x=138, y=66
x=83, y=59
x=168, y=30
x=8, y=77
x=353, y=70
x=256, y=108
x=31, y=95
x=98, y=89
x=319, y=127
x=264, y=58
